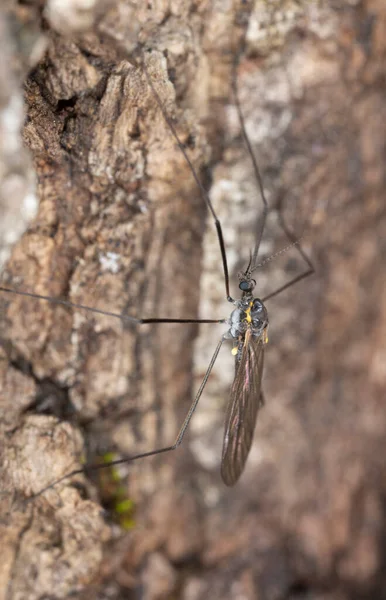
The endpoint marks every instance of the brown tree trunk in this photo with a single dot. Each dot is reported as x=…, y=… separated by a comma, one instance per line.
x=120, y=227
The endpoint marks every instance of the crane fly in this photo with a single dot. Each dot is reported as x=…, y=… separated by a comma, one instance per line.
x=247, y=325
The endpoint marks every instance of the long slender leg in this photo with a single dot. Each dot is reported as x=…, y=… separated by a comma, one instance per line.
x=125, y=318
x=256, y=170
x=311, y=269
x=201, y=188
x=63, y=302
x=121, y=461
x=143, y=321
x=294, y=241
x=289, y=284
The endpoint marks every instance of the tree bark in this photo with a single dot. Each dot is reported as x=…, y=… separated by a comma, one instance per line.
x=121, y=227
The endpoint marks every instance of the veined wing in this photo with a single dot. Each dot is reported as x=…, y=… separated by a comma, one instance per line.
x=244, y=403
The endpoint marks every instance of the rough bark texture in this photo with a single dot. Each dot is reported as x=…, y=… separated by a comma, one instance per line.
x=121, y=227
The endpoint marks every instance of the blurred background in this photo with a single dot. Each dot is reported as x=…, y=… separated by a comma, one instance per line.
x=113, y=220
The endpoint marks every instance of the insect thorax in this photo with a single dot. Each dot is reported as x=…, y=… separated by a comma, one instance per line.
x=250, y=313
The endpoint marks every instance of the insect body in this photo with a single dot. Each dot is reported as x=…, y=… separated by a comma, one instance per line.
x=248, y=327
x=249, y=314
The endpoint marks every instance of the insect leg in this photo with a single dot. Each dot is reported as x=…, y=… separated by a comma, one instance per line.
x=256, y=170
x=201, y=188
x=69, y=304
x=125, y=318
x=261, y=224
x=144, y=321
x=177, y=442
x=307, y=273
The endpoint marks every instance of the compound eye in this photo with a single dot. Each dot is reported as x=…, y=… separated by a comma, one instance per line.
x=247, y=285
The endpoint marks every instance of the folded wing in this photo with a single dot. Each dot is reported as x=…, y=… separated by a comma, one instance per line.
x=244, y=403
